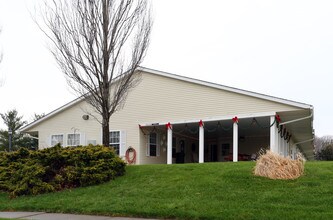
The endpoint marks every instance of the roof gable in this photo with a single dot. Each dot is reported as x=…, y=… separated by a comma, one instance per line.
x=181, y=78
x=227, y=88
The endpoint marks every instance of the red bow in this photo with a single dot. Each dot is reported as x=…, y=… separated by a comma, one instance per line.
x=235, y=119
x=277, y=117
x=201, y=124
x=168, y=125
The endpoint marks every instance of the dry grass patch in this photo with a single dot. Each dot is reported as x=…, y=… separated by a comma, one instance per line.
x=274, y=166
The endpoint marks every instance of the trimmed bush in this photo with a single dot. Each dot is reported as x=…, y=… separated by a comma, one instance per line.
x=27, y=172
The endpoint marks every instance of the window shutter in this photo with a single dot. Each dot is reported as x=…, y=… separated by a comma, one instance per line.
x=122, y=145
x=158, y=144
x=147, y=146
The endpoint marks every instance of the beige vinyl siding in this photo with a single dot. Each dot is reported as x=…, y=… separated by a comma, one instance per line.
x=69, y=121
x=159, y=99
x=155, y=99
x=163, y=99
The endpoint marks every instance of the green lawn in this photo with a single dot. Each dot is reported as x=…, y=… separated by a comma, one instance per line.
x=195, y=191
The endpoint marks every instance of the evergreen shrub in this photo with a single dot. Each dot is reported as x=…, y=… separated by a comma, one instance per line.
x=26, y=172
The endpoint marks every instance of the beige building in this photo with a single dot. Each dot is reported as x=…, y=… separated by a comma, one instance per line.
x=169, y=118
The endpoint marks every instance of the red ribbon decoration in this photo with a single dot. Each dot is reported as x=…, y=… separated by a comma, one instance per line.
x=201, y=124
x=277, y=117
x=168, y=125
x=235, y=119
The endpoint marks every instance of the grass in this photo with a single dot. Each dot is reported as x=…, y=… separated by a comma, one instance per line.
x=195, y=191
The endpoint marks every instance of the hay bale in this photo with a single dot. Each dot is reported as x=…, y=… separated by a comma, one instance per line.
x=274, y=166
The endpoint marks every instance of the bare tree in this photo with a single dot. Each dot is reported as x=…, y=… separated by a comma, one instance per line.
x=321, y=142
x=99, y=45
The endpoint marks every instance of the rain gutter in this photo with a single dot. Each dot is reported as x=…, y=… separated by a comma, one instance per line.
x=301, y=142
x=299, y=119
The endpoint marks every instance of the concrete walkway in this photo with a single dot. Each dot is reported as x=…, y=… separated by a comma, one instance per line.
x=57, y=216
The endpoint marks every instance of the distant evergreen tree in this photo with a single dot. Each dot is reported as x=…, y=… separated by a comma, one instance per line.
x=36, y=116
x=14, y=122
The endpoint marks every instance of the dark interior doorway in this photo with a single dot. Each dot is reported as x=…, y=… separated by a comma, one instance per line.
x=213, y=153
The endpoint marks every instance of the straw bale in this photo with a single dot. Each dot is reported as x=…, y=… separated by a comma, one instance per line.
x=274, y=166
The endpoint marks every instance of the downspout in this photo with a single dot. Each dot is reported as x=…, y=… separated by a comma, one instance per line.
x=299, y=119
x=301, y=142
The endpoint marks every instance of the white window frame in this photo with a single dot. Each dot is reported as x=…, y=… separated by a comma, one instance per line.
x=61, y=143
x=116, y=143
x=74, y=144
x=157, y=145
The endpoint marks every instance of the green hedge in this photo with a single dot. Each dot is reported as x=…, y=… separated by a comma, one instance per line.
x=27, y=172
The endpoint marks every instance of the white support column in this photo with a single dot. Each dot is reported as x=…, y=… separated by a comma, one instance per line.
x=169, y=144
x=201, y=142
x=281, y=147
x=284, y=147
x=235, y=142
x=293, y=151
x=279, y=144
x=273, y=136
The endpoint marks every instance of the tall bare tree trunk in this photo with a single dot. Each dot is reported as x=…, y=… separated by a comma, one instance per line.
x=106, y=86
x=106, y=132
x=99, y=45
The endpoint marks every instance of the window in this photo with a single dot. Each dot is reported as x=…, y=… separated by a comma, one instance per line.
x=73, y=139
x=115, y=141
x=153, y=148
x=57, y=139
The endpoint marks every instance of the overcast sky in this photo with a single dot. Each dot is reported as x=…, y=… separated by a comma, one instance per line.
x=279, y=48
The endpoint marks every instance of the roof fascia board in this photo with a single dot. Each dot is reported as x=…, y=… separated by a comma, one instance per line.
x=227, y=88
x=222, y=118
x=57, y=111
x=62, y=108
